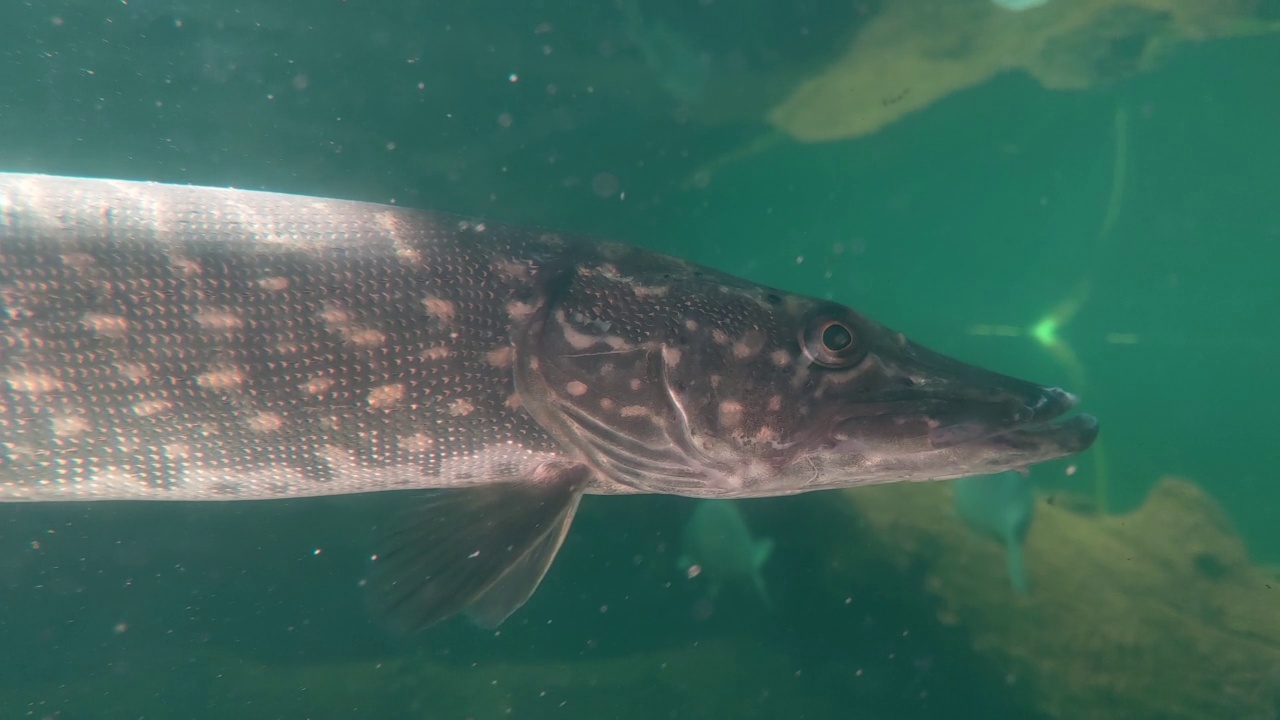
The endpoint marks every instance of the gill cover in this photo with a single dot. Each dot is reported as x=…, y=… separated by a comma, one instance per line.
x=592, y=367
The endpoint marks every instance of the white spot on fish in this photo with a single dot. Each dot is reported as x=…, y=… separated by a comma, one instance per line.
x=417, y=443
x=650, y=290
x=221, y=378
x=719, y=337
x=801, y=376
x=509, y=269
x=392, y=226
x=636, y=384
x=215, y=320
x=577, y=339
x=634, y=411
x=437, y=352
x=606, y=403
x=775, y=403
x=135, y=372
x=78, y=261
x=691, y=325
x=365, y=337
x=766, y=436
x=576, y=388
x=316, y=385
x=608, y=271
x=69, y=425
x=500, y=357
x=335, y=317
x=274, y=284
x=148, y=408
x=386, y=395
x=33, y=383
x=513, y=401
x=517, y=310
x=671, y=356
x=781, y=358
x=749, y=345
x=461, y=407
x=287, y=348
x=440, y=309
x=342, y=323
x=185, y=266
x=264, y=422
x=112, y=326
x=730, y=413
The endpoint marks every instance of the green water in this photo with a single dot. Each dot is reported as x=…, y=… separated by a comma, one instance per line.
x=1161, y=190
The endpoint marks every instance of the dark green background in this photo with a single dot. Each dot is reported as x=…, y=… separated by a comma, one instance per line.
x=984, y=208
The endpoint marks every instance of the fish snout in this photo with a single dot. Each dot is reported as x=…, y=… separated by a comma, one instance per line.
x=981, y=412
x=937, y=414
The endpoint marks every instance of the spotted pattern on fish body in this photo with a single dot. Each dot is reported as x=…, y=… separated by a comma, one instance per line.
x=294, y=343
x=164, y=342
x=287, y=366
x=655, y=370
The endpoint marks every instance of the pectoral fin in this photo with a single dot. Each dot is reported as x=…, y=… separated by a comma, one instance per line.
x=480, y=550
x=1016, y=568
x=760, y=554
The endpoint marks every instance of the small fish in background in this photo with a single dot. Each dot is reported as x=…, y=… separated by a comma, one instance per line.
x=718, y=542
x=678, y=65
x=1019, y=5
x=1000, y=506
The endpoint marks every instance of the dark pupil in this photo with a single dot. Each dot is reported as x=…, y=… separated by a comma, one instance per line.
x=837, y=337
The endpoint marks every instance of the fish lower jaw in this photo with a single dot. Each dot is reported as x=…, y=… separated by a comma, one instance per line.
x=1065, y=436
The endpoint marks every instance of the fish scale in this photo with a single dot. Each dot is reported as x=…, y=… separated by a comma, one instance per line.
x=166, y=342
x=162, y=346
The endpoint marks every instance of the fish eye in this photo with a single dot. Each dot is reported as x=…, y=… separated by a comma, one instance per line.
x=831, y=343
x=836, y=337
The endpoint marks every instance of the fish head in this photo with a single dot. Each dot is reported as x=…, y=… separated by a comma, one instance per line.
x=673, y=378
x=892, y=409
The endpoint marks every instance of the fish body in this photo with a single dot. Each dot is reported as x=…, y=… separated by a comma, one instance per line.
x=165, y=342
x=719, y=543
x=1000, y=506
x=170, y=343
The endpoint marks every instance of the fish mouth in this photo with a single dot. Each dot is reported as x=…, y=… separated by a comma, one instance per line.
x=1043, y=424
x=933, y=417
x=1041, y=441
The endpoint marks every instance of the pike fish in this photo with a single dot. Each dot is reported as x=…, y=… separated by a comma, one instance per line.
x=170, y=342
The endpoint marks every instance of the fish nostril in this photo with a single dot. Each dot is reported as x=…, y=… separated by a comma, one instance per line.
x=1049, y=403
x=907, y=381
x=1064, y=399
